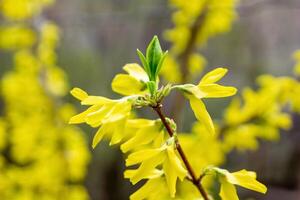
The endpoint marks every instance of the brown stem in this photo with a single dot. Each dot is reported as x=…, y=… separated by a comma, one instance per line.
x=201, y=177
x=188, y=166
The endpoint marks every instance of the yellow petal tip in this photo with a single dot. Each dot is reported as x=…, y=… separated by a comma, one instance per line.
x=78, y=93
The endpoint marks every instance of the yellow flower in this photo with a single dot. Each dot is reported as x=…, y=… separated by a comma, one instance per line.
x=142, y=132
x=243, y=178
x=22, y=9
x=16, y=37
x=196, y=64
x=217, y=19
x=259, y=114
x=206, y=88
x=150, y=159
x=173, y=169
x=110, y=115
x=132, y=83
x=38, y=141
x=153, y=189
x=170, y=65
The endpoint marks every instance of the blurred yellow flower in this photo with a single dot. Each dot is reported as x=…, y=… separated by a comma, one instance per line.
x=22, y=9
x=38, y=144
x=16, y=37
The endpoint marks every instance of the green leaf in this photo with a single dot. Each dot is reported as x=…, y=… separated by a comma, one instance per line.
x=154, y=54
x=160, y=63
x=144, y=61
x=153, y=60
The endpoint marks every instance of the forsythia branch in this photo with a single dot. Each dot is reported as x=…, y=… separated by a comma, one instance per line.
x=188, y=166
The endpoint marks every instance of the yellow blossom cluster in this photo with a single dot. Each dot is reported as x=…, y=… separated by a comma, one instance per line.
x=261, y=113
x=153, y=148
x=41, y=157
x=195, y=22
x=18, y=10
x=257, y=114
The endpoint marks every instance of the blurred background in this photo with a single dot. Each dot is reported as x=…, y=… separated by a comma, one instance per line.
x=97, y=37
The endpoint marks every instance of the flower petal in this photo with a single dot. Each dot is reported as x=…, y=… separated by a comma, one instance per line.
x=228, y=191
x=171, y=177
x=99, y=135
x=119, y=111
x=142, y=155
x=127, y=85
x=139, y=123
x=81, y=117
x=173, y=169
x=216, y=91
x=147, y=167
x=243, y=178
x=176, y=163
x=96, y=118
x=150, y=189
x=152, y=174
x=92, y=100
x=136, y=71
x=247, y=179
x=118, y=131
x=79, y=93
x=142, y=137
x=213, y=76
x=201, y=113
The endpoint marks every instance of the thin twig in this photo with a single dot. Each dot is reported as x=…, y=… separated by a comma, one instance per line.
x=188, y=166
